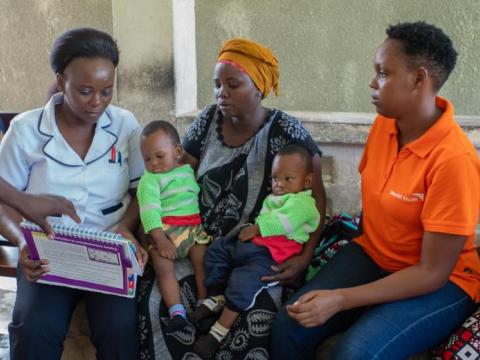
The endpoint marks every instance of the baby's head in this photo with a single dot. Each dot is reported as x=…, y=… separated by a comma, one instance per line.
x=160, y=146
x=292, y=170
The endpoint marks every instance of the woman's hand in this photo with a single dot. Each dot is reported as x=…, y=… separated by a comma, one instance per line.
x=32, y=269
x=140, y=252
x=37, y=208
x=10, y=229
x=288, y=271
x=316, y=307
x=440, y=253
x=248, y=232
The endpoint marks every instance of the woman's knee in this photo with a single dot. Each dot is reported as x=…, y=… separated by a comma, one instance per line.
x=123, y=328
x=34, y=319
x=281, y=323
x=110, y=315
x=351, y=349
x=118, y=344
x=279, y=331
x=31, y=337
x=284, y=345
x=118, y=339
x=28, y=332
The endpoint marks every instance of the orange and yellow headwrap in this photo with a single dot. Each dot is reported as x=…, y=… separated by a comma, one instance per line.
x=256, y=60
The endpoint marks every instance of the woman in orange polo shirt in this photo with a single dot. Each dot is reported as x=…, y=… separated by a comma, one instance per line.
x=413, y=276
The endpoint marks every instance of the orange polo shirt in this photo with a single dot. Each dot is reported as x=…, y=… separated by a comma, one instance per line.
x=431, y=184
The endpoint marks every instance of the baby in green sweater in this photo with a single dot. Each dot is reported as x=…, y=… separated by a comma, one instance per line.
x=168, y=199
x=235, y=264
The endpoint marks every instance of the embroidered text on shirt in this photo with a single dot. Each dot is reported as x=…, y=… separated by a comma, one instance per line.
x=414, y=197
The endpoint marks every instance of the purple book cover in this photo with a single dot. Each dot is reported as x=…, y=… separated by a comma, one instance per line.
x=83, y=258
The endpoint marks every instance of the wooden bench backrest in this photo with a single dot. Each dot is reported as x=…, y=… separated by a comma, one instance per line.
x=8, y=253
x=5, y=118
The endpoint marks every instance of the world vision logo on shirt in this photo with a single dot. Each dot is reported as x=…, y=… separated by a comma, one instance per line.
x=413, y=197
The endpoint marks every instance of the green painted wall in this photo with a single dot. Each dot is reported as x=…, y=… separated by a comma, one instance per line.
x=326, y=47
x=144, y=32
x=142, y=29
x=27, y=31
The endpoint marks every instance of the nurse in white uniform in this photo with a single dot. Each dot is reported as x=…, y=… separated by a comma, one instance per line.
x=80, y=147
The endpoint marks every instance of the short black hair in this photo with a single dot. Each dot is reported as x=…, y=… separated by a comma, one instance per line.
x=298, y=150
x=426, y=45
x=82, y=42
x=164, y=126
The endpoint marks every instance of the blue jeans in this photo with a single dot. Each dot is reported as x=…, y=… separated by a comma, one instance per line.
x=234, y=268
x=394, y=330
x=41, y=317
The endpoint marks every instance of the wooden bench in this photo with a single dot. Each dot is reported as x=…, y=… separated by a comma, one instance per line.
x=8, y=252
x=8, y=259
x=5, y=118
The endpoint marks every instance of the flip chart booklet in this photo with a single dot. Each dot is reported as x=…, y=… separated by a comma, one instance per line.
x=85, y=258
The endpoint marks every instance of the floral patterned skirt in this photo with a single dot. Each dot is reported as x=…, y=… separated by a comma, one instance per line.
x=249, y=338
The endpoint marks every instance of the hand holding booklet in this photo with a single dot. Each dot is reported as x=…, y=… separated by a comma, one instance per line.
x=85, y=258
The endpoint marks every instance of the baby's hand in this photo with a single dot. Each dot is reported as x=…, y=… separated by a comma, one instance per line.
x=248, y=232
x=167, y=249
x=165, y=246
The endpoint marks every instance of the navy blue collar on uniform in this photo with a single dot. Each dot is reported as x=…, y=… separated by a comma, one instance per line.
x=56, y=147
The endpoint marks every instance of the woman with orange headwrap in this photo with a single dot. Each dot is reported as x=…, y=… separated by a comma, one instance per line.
x=231, y=145
x=256, y=61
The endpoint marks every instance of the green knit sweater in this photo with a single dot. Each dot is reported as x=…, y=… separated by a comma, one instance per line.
x=292, y=215
x=174, y=193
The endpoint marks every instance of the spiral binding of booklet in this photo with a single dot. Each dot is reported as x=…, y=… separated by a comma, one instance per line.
x=76, y=231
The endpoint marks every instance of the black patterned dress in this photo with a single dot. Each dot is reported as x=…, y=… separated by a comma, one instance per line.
x=234, y=182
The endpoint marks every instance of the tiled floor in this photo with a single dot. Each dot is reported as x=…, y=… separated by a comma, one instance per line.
x=4, y=347
x=7, y=298
x=77, y=344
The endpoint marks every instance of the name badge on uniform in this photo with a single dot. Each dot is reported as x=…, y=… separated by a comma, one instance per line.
x=115, y=156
